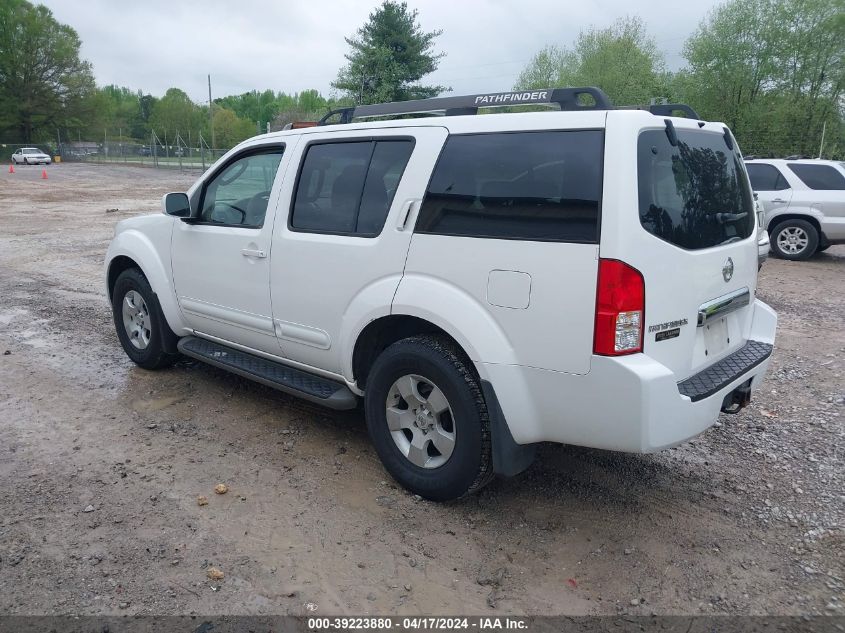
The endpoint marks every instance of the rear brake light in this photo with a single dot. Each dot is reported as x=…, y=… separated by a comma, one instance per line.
x=620, y=309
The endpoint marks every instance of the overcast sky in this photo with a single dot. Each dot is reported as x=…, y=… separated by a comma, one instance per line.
x=295, y=45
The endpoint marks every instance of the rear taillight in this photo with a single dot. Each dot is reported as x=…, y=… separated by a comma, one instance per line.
x=620, y=309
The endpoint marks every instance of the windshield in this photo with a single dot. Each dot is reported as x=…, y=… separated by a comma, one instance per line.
x=696, y=194
x=32, y=150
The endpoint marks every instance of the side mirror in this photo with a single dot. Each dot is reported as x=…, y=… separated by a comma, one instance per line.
x=176, y=204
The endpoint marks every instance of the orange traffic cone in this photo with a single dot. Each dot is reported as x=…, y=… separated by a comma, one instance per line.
x=11, y=169
x=43, y=174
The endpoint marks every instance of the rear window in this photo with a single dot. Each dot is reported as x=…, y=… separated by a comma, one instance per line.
x=823, y=177
x=695, y=195
x=539, y=186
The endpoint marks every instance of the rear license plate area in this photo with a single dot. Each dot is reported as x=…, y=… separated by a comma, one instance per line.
x=716, y=337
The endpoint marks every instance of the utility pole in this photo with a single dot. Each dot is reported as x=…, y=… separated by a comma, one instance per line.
x=210, y=113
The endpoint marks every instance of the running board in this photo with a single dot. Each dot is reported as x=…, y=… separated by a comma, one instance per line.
x=328, y=393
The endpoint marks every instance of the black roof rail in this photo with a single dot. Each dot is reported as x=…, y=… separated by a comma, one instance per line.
x=587, y=98
x=345, y=116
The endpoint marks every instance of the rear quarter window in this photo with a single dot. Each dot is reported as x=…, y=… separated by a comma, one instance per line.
x=820, y=177
x=694, y=195
x=765, y=177
x=540, y=186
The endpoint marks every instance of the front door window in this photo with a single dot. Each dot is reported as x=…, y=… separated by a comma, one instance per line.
x=238, y=195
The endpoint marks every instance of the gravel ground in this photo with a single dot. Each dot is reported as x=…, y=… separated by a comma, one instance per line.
x=101, y=465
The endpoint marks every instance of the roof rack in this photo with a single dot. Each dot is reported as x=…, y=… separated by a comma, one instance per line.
x=565, y=98
x=586, y=98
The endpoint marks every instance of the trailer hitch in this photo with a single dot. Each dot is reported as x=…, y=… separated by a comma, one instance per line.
x=737, y=399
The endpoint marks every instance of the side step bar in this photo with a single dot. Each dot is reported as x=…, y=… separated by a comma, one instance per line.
x=328, y=393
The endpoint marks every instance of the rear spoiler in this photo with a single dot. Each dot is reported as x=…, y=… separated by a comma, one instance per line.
x=666, y=109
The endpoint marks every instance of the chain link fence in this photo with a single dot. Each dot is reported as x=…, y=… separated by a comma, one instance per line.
x=178, y=154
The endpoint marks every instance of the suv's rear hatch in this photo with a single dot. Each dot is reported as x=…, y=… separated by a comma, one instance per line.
x=689, y=230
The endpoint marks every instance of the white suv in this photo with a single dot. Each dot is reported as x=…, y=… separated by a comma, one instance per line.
x=485, y=283
x=803, y=202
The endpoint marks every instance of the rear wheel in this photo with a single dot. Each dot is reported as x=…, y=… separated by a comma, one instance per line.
x=428, y=420
x=795, y=240
x=139, y=322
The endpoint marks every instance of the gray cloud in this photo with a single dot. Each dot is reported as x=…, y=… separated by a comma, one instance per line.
x=292, y=46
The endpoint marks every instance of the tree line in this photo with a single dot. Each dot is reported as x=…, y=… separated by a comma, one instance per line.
x=774, y=70
x=134, y=115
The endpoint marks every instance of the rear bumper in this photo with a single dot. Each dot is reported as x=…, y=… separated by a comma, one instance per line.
x=631, y=403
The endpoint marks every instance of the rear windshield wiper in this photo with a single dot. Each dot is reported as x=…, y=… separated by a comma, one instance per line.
x=724, y=218
x=730, y=240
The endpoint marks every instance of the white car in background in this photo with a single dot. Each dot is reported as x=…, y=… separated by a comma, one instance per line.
x=30, y=156
x=803, y=204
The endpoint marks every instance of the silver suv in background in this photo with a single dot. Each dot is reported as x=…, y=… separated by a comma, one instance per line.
x=803, y=204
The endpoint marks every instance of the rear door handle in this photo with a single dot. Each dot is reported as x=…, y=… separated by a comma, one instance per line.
x=778, y=200
x=253, y=252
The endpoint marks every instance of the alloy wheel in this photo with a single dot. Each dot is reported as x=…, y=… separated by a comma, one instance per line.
x=793, y=240
x=136, y=320
x=420, y=421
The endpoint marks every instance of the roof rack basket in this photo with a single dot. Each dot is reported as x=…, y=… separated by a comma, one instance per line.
x=587, y=98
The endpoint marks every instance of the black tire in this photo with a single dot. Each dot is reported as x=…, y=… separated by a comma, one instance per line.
x=470, y=465
x=161, y=337
x=812, y=239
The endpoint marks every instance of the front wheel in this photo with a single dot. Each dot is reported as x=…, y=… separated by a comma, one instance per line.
x=428, y=420
x=139, y=322
x=795, y=240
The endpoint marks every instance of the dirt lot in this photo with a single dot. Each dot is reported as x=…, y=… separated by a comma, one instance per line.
x=101, y=464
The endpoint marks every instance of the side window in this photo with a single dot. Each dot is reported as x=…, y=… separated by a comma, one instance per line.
x=765, y=177
x=348, y=187
x=824, y=177
x=238, y=195
x=527, y=185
